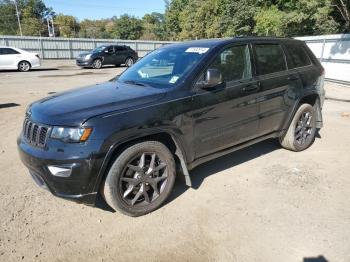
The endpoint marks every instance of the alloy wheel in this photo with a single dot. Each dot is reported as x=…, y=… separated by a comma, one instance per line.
x=129, y=62
x=24, y=66
x=143, y=180
x=97, y=64
x=303, y=129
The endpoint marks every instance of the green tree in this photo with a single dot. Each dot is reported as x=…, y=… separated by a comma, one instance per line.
x=66, y=25
x=127, y=27
x=172, y=18
x=95, y=28
x=296, y=17
x=33, y=17
x=270, y=21
x=8, y=20
x=153, y=27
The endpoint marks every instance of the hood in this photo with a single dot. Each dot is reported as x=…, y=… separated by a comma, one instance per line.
x=85, y=54
x=74, y=107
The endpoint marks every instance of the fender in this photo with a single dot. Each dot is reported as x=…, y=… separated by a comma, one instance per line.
x=113, y=148
x=317, y=107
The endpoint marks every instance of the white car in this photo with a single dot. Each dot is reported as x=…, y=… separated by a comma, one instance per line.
x=14, y=58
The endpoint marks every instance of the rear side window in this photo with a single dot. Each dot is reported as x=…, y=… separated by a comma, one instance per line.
x=298, y=55
x=269, y=58
x=8, y=51
x=120, y=48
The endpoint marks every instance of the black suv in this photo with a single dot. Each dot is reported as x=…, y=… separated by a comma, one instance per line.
x=108, y=55
x=180, y=106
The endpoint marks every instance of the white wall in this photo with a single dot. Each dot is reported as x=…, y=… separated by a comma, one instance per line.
x=334, y=53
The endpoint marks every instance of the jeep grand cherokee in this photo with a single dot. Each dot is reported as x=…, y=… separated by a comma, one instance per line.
x=178, y=107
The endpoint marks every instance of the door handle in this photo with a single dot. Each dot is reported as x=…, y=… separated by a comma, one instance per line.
x=293, y=78
x=250, y=88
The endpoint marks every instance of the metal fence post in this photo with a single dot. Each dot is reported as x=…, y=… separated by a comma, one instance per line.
x=322, y=50
x=42, y=48
x=70, y=49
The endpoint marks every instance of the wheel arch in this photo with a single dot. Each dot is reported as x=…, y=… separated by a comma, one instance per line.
x=24, y=60
x=314, y=100
x=168, y=139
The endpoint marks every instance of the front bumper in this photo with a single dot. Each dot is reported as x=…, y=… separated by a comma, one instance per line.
x=80, y=186
x=83, y=63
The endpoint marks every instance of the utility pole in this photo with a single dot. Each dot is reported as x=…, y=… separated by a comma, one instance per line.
x=19, y=21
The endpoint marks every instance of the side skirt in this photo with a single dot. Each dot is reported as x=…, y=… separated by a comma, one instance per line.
x=207, y=158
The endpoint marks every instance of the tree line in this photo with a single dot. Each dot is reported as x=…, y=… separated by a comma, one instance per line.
x=188, y=19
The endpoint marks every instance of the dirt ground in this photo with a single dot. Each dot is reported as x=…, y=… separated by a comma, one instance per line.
x=262, y=203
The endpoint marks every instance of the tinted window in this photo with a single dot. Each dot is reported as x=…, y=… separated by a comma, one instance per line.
x=269, y=58
x=8, y=51
x=120, y=48
x=298, y=55
x=234, y=63
x=110, y=49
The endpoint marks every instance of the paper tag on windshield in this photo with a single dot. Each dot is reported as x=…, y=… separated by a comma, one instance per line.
x=173, y=79
x=198, y=50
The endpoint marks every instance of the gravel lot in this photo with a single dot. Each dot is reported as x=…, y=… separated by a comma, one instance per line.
x=262, y=203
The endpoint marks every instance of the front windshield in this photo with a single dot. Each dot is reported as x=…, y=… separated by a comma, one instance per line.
x=164, y=67
x=99, y=49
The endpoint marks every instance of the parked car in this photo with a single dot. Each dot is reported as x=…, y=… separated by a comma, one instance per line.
x=178, y=107
x=108, y=55
x=17, y=59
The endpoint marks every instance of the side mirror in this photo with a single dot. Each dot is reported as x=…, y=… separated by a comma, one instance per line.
x=213, y=78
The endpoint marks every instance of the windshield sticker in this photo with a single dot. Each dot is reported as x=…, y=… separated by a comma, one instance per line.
x=198, y=50
x=173, y=79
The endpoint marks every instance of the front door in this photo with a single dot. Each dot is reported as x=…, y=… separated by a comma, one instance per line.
x=109, y=56
x=228, y=114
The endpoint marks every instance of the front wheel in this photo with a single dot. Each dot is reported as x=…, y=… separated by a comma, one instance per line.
x=302, y=130
x=140, y=179
x=97, y=64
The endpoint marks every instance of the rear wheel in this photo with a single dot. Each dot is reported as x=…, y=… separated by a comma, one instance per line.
x=129, y=61
x=140, y=179
x=24, y=66
x=97, y=64
x=302, y=130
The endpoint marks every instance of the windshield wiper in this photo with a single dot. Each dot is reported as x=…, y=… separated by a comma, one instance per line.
x=132, y=82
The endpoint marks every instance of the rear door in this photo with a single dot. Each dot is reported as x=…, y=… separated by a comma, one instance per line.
x=228, y=113
x=121, y=54
x=278, y=85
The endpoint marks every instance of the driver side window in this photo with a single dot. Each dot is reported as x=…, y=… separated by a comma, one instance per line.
x=110, y=49
x=234, y=63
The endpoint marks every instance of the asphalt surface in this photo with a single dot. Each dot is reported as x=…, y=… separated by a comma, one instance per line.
x=262, y=203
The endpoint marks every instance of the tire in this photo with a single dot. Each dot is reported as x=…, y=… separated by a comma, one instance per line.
x=302, y=130
x=24, y=66
x=129, y=61
x=97, y=64
x=131, y=181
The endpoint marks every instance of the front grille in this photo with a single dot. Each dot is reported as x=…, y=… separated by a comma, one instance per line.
x=35, y=134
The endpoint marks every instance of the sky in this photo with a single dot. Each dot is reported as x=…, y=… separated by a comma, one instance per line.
x=94, y=9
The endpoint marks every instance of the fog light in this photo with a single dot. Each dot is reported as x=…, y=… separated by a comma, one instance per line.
x=60, y=171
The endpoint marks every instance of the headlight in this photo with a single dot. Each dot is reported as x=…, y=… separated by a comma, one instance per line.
x=72, y=135
x=87, y=57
